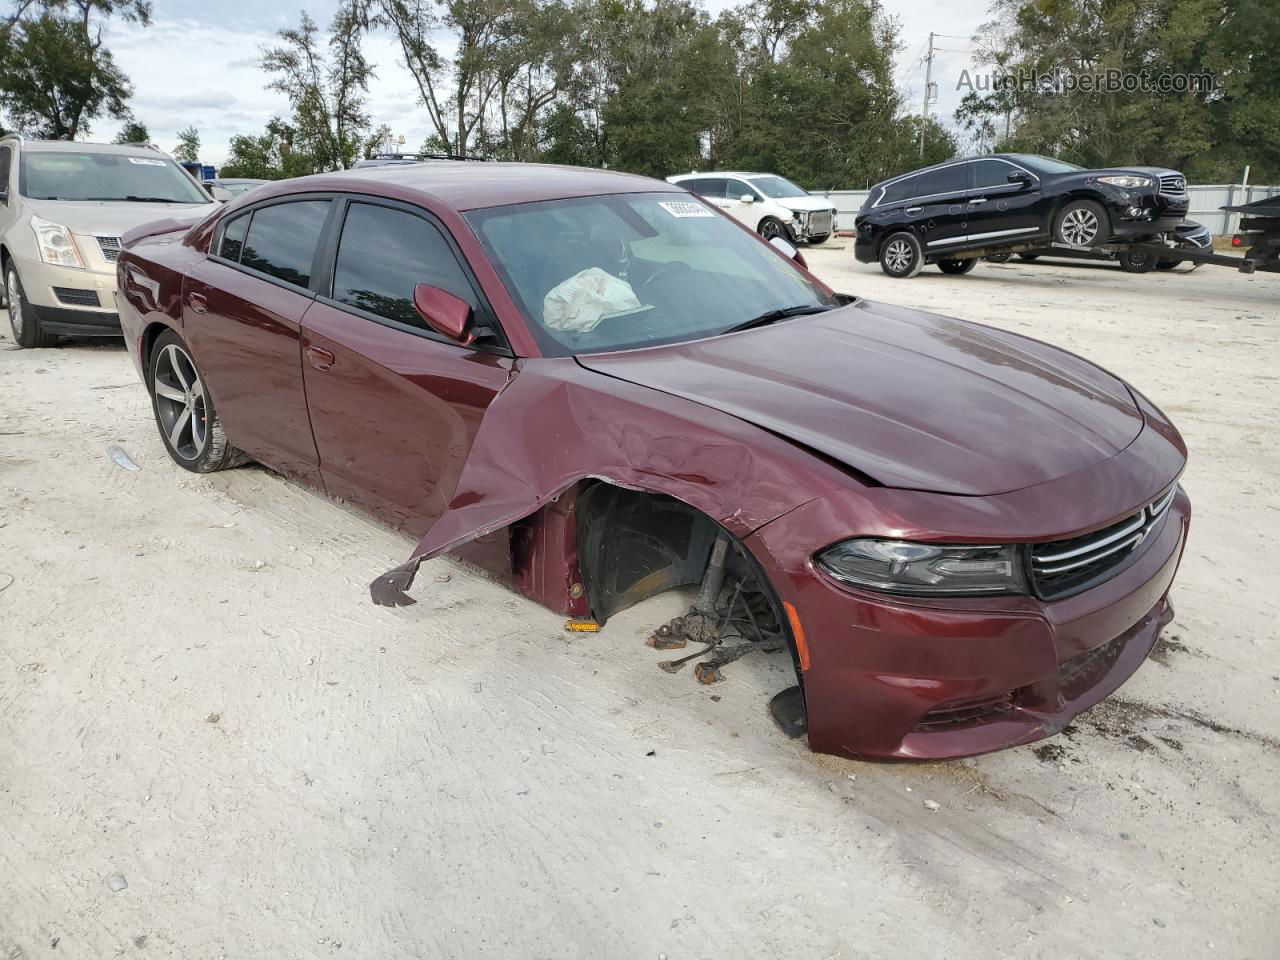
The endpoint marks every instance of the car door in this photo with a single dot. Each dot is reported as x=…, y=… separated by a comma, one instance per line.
x=733, y=204
x=242, y=311
x=711, y=189
x=394, y=405
x=1000, y=211
x=940, y=207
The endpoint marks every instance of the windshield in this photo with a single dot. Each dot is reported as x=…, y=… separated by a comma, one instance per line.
x=777, y=188
x=613, y=272
x=63, y=175
x=235, y=189
x=1047, y=164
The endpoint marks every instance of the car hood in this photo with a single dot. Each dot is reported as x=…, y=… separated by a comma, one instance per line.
x=112, y=218
x=909, y=399
x=805, y=203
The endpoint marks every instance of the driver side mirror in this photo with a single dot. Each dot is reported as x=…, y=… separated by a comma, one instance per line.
x=444, y=313
x=1020, y=177
x=747, y=198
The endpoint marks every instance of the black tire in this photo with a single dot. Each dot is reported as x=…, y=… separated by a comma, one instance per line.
x=1136, y=261
x=771, y=227
x=901, y=255
x=822, y=239
x=23, y=322
x=958, y=268
x=1082, y=223
x=1029, y=257
x=999, y=258
x=1166, y=264
x=184, y=411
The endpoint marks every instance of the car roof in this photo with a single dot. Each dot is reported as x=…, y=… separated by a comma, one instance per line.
x=471, y=186
x=74, y=146
x=235, y=180
x=726, y=173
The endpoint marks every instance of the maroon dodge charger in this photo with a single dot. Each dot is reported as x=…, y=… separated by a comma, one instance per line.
x=598, y=387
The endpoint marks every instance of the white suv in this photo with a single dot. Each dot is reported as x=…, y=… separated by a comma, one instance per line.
x=63, y=207
x=767, y=203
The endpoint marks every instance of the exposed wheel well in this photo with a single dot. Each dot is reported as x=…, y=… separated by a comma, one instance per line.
x=633, y=545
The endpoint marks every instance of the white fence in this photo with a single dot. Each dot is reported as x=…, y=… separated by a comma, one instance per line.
x=1205, y=201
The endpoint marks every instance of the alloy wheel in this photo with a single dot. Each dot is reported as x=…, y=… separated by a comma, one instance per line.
x=770, y=229
x=15, y=303
x=1079, y=227
x=180, y=402
x=898, y=256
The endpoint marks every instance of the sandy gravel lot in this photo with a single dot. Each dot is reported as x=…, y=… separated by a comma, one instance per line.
x=212, y=745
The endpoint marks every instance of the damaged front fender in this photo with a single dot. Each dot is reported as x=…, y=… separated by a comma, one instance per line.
x=556, y=424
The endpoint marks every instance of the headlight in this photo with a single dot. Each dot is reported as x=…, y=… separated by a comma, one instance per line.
x=801, y=215
x=924, y=569
x=1126, y=181
x=56, y=244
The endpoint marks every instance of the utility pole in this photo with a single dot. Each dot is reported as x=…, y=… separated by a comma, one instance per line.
x=928, y=85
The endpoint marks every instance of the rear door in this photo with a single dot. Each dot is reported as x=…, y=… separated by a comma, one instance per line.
x=242, y=309
x=1000, y=211
x=940, y=206
x=394, y=406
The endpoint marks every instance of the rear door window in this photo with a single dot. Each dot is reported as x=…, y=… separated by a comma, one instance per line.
x=901, y=190
x=233, y=238
x=713, y=187
x=385, y=253
x=5, y=157
x=282, y=240
x=947, y=180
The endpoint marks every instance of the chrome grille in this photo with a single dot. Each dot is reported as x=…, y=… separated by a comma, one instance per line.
x=1174, y=183
x=1066, y=566
x=110, y=247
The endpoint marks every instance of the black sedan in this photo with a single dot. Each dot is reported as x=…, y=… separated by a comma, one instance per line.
x=953, y=213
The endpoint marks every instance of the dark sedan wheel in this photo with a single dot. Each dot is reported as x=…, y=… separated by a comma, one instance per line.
x=1082, y=223
x=901, y=255
x=771, y=227
x=184, y=410
x=958, y=267
x=999, y=258
x=1137, y=261
x=27, y=331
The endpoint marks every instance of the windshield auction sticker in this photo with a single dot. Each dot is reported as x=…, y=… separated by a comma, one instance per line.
x=685, y=208
x=146, y=162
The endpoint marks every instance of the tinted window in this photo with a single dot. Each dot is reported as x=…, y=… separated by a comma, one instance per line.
x=384, y=254
x=233, y=237
x=5, y=154
x=706, y=186
x=896, y=192
x=991, y=173
x=736, y=189
x=946, y=180
x=282, y=239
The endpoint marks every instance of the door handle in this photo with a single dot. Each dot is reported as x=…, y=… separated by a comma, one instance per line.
x=913, y=209
x=977, y=200
x=319, y=358
x=198, y=302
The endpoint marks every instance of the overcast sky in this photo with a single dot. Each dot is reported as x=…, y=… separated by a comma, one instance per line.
x=197, y=64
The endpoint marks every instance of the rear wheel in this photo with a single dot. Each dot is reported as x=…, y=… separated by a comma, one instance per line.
x=185, y=416
x=901, y=255
x=1136, y=261
x=958, y=267
x=1082, y=223
x=26, y=327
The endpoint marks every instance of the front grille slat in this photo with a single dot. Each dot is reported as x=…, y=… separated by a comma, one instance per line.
x=1173, y=184
x=110, y=247
x=77, y=298
x=1063, y=567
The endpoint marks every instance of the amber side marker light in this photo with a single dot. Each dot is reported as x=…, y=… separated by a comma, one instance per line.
x=582, y=626
x=797, y=631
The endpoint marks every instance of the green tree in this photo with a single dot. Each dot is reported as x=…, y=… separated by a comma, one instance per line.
x=327, y=94
x=270, y=155
x=133, y=131
x=188, y=146
x=56, y=76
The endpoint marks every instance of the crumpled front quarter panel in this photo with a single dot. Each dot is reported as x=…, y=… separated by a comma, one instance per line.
x=556, y=423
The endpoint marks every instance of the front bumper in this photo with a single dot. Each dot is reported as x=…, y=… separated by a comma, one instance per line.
x=72, y=301
x=1142, y=213
x=812, y=224
x=910, y=679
